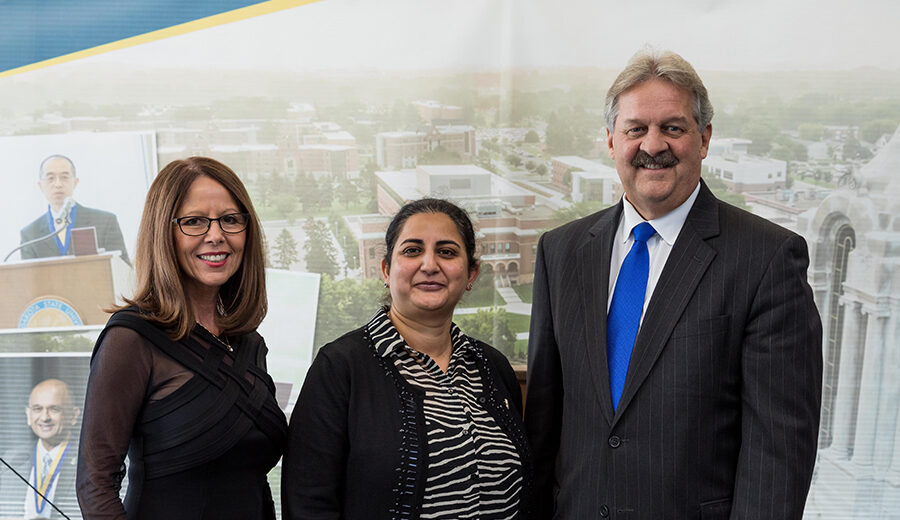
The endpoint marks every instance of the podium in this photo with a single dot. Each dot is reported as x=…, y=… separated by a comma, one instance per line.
x=63, y=291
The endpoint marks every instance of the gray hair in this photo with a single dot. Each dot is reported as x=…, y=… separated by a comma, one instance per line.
x=647, y=65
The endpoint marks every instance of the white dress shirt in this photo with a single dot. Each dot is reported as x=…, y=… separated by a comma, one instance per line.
x=30, y=510
x=659, y=246
x=59, y=221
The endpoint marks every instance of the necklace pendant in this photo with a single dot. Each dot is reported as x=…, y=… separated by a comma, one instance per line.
x=224, y=343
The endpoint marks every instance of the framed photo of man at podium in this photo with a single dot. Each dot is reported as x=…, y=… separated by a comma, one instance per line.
x=72, y=211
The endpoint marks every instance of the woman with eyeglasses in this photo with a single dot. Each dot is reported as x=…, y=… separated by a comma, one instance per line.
x=178, y=378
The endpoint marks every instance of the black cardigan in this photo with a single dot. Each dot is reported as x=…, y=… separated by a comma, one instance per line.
x=357, y=447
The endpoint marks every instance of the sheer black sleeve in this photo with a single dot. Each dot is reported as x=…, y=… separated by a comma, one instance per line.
x=116, y=391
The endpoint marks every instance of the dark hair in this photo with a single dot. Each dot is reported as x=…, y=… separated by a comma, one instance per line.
x=160, y=280
x=429, y=205
x=56, y=156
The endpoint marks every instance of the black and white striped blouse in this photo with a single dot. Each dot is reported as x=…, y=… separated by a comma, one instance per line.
x=474, y=470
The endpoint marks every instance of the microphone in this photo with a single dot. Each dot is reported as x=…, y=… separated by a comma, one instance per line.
x=68, y=204
x=25, y=480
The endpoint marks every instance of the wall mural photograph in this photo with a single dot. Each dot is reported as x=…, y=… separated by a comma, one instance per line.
x=335, y=113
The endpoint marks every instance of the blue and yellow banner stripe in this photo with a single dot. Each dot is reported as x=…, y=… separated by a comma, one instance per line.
x=40, y=33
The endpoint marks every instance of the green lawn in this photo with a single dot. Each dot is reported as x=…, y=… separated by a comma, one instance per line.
x=518, y=322
x=521, y=349
x=482, y=296
x=524, y=291
x=816, y=182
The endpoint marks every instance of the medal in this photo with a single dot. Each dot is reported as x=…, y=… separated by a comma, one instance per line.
x=43, y=482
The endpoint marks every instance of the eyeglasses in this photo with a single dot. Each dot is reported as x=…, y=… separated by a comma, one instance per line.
x=53, y=410
x=196, y=226
x=51, y=178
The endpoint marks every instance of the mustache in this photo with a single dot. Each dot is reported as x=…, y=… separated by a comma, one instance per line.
x=665, y=159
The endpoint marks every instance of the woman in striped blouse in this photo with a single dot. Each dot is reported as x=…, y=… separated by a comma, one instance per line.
x=407, y=417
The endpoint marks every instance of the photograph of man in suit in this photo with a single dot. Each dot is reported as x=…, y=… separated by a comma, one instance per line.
x=57, y=181
x=675, y=355
x=48, y=463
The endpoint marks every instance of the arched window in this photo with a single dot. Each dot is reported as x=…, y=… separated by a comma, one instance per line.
x=844, y=242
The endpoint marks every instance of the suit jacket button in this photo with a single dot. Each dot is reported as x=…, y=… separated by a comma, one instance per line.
x=615, y=441
x=604, y=511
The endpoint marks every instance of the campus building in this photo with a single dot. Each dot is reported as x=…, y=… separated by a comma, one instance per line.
x=403, y=149
x=854, y=240
x=743, y=173
x=585, y=180
x=329, y=160
x=507, y=221
x=430, y=111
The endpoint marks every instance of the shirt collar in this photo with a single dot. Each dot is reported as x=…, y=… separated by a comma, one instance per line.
x=667, y=226
x=56, y=214
x=52, y=451
x=387, y=338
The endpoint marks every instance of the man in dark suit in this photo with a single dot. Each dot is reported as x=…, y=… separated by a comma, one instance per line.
x=675, y=363
x=49, y=463
x=58, y=181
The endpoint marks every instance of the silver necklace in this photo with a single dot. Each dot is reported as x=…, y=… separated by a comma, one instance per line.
x=225, y=343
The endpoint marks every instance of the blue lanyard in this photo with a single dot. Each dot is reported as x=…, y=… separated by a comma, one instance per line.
x=40, y=502
x=51, y=226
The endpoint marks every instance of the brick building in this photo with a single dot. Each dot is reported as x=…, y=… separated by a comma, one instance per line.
x=403, y=149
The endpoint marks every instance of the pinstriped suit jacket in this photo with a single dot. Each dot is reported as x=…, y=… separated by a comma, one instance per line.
x=720, y=410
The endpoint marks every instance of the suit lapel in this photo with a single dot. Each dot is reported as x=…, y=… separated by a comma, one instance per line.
x=593, y=270
x=687, y=262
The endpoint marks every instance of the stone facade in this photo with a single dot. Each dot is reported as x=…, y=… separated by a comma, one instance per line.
x=854, y=238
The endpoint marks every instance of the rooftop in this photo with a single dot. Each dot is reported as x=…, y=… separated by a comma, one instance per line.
x=575, y=161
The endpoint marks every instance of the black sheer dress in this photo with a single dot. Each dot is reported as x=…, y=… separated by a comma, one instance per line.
x=199, y=423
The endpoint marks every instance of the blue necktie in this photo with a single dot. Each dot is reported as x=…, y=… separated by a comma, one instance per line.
x=625, y=309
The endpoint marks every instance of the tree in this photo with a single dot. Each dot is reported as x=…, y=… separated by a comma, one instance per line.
x=305, y=190
x=854, y=150
x=784, y=142
x=441, y=155
x=788, y=180
x=513, y=160
x=541, y=169
x=285, y=205
x=490, y=326
x=346, y=240
x=870, y=131
x=285, y=250
x=319, y=250
x=571, y=131
x=268, y=185
x=45, y=342
x=560, y=140
x=576, y=211
x=567, y=176
x=762, y=134
x=721, y=192
x=368, y=184
x=344, y=305
x=532, y=137
x=781, y=152
x=810, y=131
x=483, y=292
x=347, y=193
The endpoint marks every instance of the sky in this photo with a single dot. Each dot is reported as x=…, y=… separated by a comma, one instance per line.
x=739, y=35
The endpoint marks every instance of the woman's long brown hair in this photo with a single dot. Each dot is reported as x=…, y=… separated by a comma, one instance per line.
x=160, y=294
